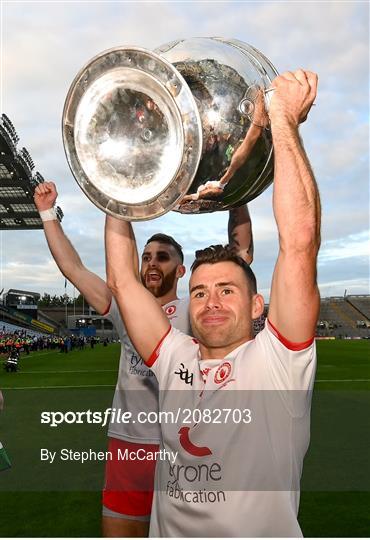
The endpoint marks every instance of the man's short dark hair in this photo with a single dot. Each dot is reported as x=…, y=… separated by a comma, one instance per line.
x=165, y=239
x=219, y=253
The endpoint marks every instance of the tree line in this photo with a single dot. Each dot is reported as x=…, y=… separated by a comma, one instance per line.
x=47, y=300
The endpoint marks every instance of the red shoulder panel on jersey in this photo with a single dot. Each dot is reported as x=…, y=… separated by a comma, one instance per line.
x=106, y=311
x=290, y=344
x=153, y=357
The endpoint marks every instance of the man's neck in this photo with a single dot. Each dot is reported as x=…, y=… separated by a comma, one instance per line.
x=171, y=296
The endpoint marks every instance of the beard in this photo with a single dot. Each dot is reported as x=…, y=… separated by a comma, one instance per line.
x=164, y=285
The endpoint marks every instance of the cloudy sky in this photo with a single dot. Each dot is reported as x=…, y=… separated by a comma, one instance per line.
x=44, y=44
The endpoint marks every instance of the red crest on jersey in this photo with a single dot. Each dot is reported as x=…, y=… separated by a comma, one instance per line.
x=170, y=310
x=222, y=372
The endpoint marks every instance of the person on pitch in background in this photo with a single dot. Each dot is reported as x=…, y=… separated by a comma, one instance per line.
x=246, y=483
x=127, y=497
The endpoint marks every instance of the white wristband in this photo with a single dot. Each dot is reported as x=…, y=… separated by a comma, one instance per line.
x=48, y=215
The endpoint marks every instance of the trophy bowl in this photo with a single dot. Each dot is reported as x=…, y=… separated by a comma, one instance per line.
x=182, y=128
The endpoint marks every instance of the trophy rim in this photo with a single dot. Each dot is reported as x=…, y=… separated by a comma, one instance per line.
x=178, y=93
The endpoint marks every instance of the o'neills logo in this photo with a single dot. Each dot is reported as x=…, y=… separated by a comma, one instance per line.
x=170, y=310
x=222, y=372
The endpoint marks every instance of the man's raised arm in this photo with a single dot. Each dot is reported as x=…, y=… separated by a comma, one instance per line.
x=144, y=318
x=294, y=302
x=91, y=286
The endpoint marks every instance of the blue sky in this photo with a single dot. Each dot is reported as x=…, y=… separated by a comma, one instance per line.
x=44, y=44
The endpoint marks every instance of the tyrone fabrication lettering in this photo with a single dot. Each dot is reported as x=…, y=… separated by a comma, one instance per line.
x=138, y=367
x=195, y=474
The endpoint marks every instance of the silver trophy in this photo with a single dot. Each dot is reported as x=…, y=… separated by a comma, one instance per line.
x=182, y=128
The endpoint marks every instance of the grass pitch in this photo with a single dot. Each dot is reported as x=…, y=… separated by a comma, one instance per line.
x=35, y=502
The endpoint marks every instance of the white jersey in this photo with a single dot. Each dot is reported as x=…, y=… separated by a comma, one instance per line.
x=234, y=476
x=137, y=388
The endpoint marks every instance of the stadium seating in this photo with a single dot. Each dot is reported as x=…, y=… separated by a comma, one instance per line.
x=361, y=303
x=344, y=316
x=8, y=328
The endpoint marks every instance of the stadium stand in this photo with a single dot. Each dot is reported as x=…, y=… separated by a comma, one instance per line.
x=7, y=328
x=361, y=303
x=13, y=316
x=344, y=316
x=17, y=182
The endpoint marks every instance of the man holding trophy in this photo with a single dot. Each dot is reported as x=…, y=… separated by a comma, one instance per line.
x=261, y=497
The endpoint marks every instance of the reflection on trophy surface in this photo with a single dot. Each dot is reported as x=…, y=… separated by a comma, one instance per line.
x=184, y=127
x=235, y=159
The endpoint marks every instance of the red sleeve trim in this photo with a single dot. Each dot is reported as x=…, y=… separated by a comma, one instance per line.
x=105, y=312
x=153, y=357
x=290, y=344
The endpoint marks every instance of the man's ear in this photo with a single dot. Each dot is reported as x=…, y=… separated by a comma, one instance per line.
x=258, y=306
x=180, y=270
